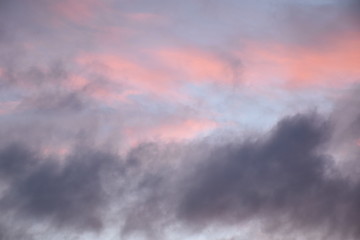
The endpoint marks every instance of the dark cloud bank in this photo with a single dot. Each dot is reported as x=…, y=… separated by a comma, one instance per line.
x=287, y=178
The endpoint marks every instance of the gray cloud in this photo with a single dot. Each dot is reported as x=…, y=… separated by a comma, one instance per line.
x=239, y=180
x=354, y=10
x=70, y=195
x=16, y=161
x=56, y=102
x=76, y=192
x=285, y=178
x=8, y=233
x=290, y=178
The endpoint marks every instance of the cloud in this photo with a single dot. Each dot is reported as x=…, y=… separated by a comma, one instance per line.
x=286, y=178
x=142, y=17
x=333, y=64
x=199, y=65
x=70, y=195
x=164, y=72
x=170, y=130
x=353, y=9
x=16, y=161
x=135, y=75
x=79, y=80
x=77, y=11
x=56, y=102
x=239, y=180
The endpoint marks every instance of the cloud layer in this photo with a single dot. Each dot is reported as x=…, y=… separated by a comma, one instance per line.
x=168, y=120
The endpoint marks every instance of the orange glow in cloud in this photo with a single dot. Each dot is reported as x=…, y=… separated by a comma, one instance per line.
x=196, y=65
x=334, y=64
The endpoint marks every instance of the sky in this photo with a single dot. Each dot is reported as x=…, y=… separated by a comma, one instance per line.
x=172, y=120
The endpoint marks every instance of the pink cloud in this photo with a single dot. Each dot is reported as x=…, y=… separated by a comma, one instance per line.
x=186, y=129
x=196, y=65
x=77, y=82
x=162, y=72
x=333, y=64
x=171, y=130
x=133, y=75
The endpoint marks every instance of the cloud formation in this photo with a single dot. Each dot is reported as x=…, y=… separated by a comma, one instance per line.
x=179, y=120
x=70, y=195
x=284, y=178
